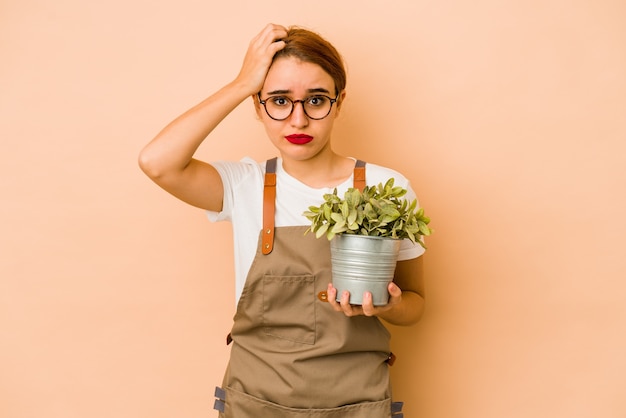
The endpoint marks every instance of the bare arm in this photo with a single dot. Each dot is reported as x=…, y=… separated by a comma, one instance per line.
x=406, y=301
x=168, y=158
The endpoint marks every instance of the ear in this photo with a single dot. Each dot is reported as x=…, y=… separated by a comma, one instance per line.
x=340, y=100
x=257, y=106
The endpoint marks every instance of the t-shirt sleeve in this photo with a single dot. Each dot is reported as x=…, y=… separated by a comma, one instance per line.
x=233, y=174
x=408, y=250
x=377, y=174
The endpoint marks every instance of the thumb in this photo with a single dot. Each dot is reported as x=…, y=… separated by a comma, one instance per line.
x=394, y=290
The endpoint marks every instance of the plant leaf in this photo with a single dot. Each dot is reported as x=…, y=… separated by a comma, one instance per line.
x=321, y=231
x=424, y=229
x=339, y=226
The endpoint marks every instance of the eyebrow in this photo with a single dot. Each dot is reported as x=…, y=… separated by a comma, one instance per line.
x=315, y=90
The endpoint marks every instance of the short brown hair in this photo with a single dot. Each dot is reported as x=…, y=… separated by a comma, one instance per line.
x=308, y=46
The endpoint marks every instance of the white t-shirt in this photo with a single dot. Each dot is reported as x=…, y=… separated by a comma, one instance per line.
x=243, y=205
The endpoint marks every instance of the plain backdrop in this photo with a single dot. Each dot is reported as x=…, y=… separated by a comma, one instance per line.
x=507, y=116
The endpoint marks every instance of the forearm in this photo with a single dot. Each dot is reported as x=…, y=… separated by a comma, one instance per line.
x=407, y=312
x=173, y=148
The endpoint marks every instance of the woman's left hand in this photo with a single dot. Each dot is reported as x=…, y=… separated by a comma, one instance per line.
x=367, y=308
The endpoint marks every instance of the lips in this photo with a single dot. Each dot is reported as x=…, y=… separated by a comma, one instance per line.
x=299, y=139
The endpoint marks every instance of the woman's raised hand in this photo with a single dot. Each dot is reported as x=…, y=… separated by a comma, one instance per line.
x=168, y=158
x=259, y=57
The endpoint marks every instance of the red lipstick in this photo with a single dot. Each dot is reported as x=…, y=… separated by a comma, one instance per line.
x=299, y=139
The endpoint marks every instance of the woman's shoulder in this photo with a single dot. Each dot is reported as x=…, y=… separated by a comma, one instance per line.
x=244, y=164
x=244, y=170
x=380, y=174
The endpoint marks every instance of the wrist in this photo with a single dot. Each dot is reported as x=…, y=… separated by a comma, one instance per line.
x=242, y=88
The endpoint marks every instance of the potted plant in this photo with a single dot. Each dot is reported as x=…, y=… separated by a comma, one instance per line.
x=365, y=229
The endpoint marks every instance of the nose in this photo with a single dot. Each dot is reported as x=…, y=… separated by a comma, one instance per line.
x=298, y=118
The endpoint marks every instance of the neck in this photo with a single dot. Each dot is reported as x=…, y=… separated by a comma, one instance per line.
x=320, y=171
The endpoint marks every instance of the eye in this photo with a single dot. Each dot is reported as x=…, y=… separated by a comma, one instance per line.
x=316, y=101
x=280, y=101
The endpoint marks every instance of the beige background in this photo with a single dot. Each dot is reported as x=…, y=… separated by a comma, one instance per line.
x=508, y=116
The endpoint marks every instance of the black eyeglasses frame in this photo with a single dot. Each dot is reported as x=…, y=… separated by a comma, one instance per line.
x=293, y=106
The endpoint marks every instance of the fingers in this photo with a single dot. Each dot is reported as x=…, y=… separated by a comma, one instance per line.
x=259, y=56
x=368, y=304
x=275, y=38
x=270, y=38
x=344, y=302
x=332, y=297
x=367, y=307
x=394, y=291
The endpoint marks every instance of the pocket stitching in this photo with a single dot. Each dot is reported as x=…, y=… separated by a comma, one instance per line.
x=269, y=326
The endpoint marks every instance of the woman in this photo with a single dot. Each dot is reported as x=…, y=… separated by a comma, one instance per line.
x=293, y=353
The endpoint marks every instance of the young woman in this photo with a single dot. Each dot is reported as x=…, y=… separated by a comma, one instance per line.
x=296, y=350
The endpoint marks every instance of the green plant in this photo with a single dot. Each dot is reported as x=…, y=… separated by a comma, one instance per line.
x=377, y=211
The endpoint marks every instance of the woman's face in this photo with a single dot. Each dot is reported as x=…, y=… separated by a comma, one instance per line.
x=298, y=137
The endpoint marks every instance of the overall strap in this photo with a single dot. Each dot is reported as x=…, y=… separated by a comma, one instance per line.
x=269, y=199
x=269, y=206
x=359, y=175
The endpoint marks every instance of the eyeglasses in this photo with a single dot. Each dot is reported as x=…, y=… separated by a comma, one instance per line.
x=280, y=107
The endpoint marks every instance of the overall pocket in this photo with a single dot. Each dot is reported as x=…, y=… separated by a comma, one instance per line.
x=242, y=405
x=289, y=307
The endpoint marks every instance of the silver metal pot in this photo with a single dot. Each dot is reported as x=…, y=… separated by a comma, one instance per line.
x=362, y=263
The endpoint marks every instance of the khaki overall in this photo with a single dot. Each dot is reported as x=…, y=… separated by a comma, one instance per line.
x=293, y=356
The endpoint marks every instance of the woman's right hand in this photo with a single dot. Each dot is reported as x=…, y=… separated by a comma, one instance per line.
x=258, y=58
